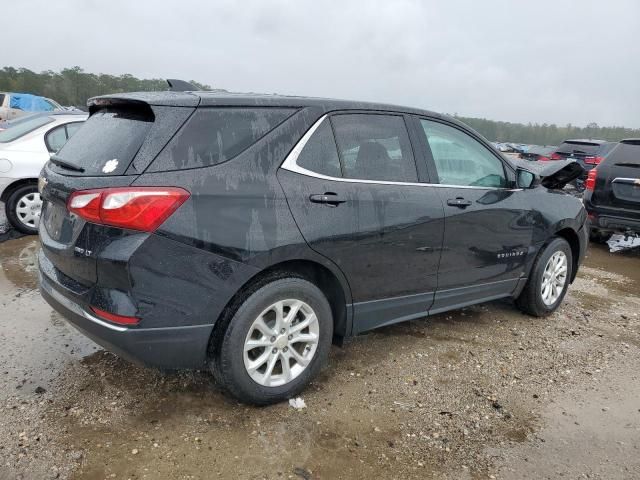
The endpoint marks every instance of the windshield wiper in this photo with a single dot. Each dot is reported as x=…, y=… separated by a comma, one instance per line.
x=64, y=164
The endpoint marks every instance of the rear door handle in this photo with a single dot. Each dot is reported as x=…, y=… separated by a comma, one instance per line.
x=328, y=198
x=458, y=202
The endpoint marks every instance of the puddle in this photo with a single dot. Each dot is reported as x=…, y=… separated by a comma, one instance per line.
x=36, y=342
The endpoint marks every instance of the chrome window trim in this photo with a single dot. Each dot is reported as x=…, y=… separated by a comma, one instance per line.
x=290, y=164
x=625, y=180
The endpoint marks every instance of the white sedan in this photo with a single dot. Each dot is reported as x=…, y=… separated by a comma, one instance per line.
x=24, y=149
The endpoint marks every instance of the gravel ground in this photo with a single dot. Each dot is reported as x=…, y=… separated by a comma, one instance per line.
x=483, y=392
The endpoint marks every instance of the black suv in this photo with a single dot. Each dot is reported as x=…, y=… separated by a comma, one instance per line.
x=612, y=195
x=587, y=152
x=247, y=232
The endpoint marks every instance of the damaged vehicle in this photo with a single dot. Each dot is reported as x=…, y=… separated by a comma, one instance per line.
x=587, y=152
x=612, y=193
x=246, y=233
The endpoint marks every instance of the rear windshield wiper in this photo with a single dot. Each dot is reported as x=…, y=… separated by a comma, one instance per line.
x=64, y=164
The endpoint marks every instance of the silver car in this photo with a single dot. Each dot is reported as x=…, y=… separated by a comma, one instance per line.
x=24, y=149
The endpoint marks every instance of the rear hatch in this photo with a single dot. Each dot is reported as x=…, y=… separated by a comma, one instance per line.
x=618, y=180
x=113, y=147
x=588, y=153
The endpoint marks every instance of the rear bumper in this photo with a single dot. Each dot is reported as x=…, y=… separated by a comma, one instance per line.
x=165, y=348
x=616, y=224
x=600, y=220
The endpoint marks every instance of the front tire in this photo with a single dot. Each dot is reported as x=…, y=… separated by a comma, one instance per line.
x=23, y=209
x=548, y=280
x=276, y=342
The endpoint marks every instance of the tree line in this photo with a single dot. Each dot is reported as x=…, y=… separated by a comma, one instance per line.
x=545, y=134
x=73, y=86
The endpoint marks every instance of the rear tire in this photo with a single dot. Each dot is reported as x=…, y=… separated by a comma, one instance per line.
x=23, y=209
x=548, y=280
x=262, y=356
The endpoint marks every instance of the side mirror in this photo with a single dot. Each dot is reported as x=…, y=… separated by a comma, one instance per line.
x=524, y=178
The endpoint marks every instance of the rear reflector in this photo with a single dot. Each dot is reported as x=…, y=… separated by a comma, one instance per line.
x=590, y=183
x=135, y=208
x=113, y=318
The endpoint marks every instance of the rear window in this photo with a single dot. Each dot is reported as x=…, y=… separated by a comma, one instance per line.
x=215, y=135
x=579, y=148
x=22, y=128
x=627, y=154
x=108, y=141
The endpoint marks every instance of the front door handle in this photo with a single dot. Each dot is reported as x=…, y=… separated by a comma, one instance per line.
x=458, y=202
x=328, y=198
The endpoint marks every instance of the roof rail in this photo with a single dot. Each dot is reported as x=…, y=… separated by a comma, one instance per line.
x=180, y=86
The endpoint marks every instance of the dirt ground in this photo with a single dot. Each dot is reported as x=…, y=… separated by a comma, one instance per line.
x=483, y=392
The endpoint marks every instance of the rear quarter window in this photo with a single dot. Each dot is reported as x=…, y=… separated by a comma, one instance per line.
x=215, y=135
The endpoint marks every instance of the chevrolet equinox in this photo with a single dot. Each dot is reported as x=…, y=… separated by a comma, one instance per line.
x=246, y=233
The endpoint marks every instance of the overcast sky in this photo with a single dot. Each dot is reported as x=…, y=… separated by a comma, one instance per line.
x=541, y=61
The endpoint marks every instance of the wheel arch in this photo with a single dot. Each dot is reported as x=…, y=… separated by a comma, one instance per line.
x=17, y=184
x=573, y=240
x=316, y=273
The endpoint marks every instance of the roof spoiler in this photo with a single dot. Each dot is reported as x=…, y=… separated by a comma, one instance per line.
x=180, y=86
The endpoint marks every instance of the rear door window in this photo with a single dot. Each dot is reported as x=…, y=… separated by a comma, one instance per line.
x=215, y=135
x=460, y=159
x=109, y=141
x=56, y=138
x=374, y=147
x=320, y=154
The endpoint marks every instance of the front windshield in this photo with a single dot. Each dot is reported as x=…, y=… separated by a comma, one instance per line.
x=21, y=129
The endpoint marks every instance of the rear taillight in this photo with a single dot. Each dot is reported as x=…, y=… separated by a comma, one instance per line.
x=542, y=158
x=592, y=160
x=555, y=156
x=135, y=208
x=113, y=318
x=590, y=182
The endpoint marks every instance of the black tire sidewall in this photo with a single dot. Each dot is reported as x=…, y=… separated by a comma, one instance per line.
x=558, y=244
x=12, y=203
x=229, y=355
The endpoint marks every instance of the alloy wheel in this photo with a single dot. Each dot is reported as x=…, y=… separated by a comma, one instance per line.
x=554, y=278
x=281, y=343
